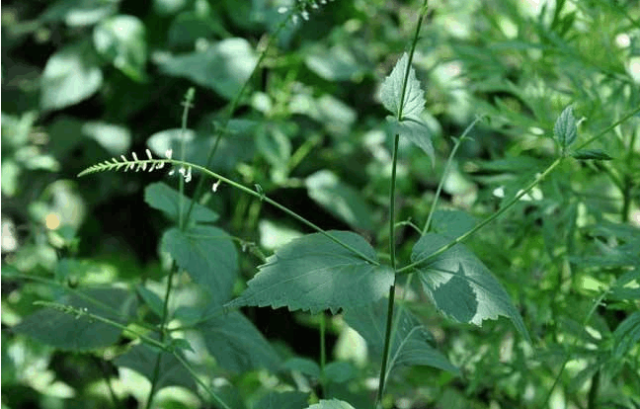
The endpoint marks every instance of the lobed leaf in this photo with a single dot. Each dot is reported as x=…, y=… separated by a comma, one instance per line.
x=315, y=273
x=460, y=286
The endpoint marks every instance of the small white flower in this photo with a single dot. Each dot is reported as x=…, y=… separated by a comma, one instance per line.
x=305, y=15
x=172, y=171
x=182, y=170
x=124, y=158
x=215, y=186
x=149, y=154
x=168, y=153
x=135, y=157
x=187, y=177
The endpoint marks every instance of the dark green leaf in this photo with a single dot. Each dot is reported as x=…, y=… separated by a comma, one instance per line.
x=207, y=254
x=151, y=299
x=314, y=273
x=415, y=130
x=237, y=345
x=162, y=197
x=411, y=342
x=595, y=154
x=223, y=67
x=340, y=372
x=452, y=223
x=565, y=128
x=142, y=359
x=67, y=332
x=340, y=199
x=304, y=366
x=70, y=76
x=461, y=286
x=627, y=334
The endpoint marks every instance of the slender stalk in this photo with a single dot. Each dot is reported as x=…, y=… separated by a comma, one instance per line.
x=407, y=269
x=459, y=141
x=392, y=217
x=627, y=180
x=593, y=391
x=323, y=352
x=200, y=382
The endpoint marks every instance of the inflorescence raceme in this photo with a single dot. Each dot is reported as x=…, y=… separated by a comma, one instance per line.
x=300, y=9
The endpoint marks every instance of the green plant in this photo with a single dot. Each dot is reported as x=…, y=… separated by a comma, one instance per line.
x=341, y=271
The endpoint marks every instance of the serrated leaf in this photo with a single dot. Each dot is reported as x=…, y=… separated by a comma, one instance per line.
x=237, y=345
x=142, y=359
x=391, y=91
x=162, y=197
x=452, y=223
x=331, y=404
x=565, y=128
x=460, y=286
x=121, y=40
x=627, y=334
x=416, y=131
x=340, y=199
x=282, y=400
x=64, y=331
x=223, y=67
x=70, y=76
x=411, y=342
x=314, y=273
x=207, y=254
x=591, y=154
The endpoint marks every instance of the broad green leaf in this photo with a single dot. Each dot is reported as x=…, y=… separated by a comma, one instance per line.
x=150, y=298
x=223, y=67
x=391, y=91
x=314, y=273
x=565, y=128
x=411, y=342
x=64, y=331
x=627, y=334
x=591, y=154
x=121, y=40
x=304, y=366
x=237, y=344
x=415, y=130
x=282, y=400
x=70, y=76
x=142, y=359
x=460, y=286
x=162, y=197
x=207, y=254
x=113, y=138
x=340, y=372
x=452, y=223
x=168, y=7
x=331, y=404
x=340, y=199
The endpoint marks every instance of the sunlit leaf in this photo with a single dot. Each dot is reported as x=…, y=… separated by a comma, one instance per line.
x=162, y=197
x=121, y=40
x=460, y=286
x=331, y=404
x=565, y=128
x=391, y=91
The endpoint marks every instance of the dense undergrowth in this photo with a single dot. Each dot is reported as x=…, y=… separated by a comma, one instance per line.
x=324, y=204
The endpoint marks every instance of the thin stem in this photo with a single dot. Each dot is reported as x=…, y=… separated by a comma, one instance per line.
x=628, y=180
x=323, y=352
x=593, y=391
x=204, y=386
x=232, y=109
x=407, y=269
x=392, y=216
x=187, y=104
x=459, y=141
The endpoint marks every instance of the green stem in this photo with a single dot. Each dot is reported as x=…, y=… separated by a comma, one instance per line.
x=593, y=391
x=627, y=180
x=459, y=141
x=323, y=352
x=200, y=382
x=232, y=109
x=407, y=269
x=392, y=216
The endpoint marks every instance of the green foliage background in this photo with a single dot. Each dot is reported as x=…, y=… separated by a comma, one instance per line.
x=84, y=81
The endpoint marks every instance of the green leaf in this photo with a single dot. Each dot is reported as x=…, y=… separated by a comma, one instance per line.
x=340, y=199
x=391, y=91
x=142, y=359
x=594, y=154
x=67, y=332
x=314, y=273
x=331, y=404
x=452, y=223
x=70, y=76
x=416, y=131
x=304, y=366
x=565, y=128
x=121, y=40
x=282, y=400
x=207, y=254
x=335, y=64
x=460, y=286
x=223, y=67
x=411, y=341
x=151, y=299
x=340, y=372
x=162, y=197
x=237, y=344
x=78, y=13
x=627, y=334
